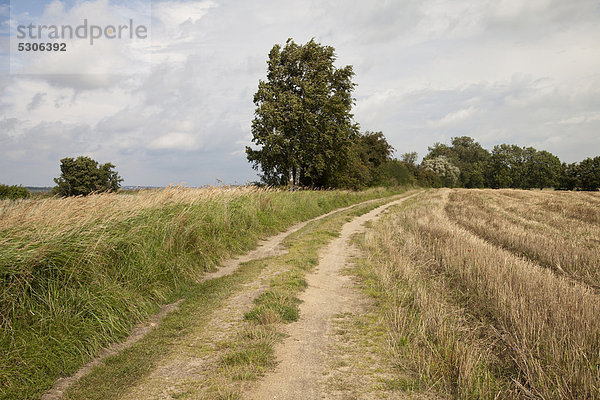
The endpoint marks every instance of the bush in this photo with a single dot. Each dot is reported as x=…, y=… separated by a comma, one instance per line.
x=13, y=192
x=428, y=178
x=447, y=172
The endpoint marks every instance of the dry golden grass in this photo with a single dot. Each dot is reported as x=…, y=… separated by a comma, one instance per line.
x=559, y=230
x=54, y=214
x=477, y=321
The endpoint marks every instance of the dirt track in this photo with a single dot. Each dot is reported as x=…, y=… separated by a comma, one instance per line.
x=302, y=355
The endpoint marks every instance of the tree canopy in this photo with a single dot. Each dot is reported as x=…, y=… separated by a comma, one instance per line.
x=506, y=166
x=523, y=168
x=82, y=176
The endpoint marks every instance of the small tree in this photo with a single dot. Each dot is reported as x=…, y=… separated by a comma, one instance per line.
x=82, y=176
x=410, y=159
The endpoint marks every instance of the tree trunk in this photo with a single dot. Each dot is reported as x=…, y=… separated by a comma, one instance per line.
x=297, y=177
x=291, y=178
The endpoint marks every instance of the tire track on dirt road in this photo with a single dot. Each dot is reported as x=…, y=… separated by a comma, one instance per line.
x=302, y=361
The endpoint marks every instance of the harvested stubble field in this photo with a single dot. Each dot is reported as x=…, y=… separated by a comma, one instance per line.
x=78, y=273
x=491, y=293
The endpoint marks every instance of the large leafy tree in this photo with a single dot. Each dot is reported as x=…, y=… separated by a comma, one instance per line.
x=303, y=126
x=505, y=166
x=544, y=169
x=471, y=160
x=82, y=176
x=569, y=177
x=523, y=168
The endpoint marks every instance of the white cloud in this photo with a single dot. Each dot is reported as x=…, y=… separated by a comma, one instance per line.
x=580, y=119
x=60, y=104
x=104, y=57
x=455, y=117
x=175, y=29
x=174, y=13
x=175, y=140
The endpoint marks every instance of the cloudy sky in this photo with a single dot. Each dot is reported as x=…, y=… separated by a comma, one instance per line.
x=176, y=108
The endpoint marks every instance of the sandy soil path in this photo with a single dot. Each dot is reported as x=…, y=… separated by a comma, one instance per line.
x=267, y=248
x=302, y=361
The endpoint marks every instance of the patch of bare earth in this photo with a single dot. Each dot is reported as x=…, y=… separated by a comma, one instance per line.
x=311, y=365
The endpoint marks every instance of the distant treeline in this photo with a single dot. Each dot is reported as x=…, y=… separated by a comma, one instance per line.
x=465, y=163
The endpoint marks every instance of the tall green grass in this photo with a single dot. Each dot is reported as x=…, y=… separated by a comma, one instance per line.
x=79, y=273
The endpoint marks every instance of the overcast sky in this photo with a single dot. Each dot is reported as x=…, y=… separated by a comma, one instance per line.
x=179, y=111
